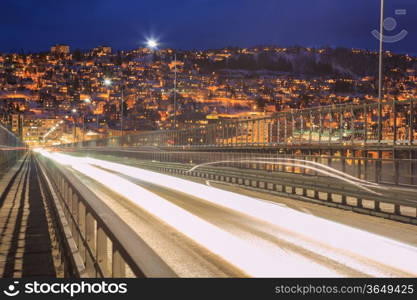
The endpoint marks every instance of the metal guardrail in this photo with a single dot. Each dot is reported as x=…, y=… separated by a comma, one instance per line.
x=342, y=136
x=11, y=147
x=99, y=242
x=349, y=124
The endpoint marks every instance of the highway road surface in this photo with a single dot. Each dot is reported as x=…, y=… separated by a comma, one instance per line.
x=208, y=229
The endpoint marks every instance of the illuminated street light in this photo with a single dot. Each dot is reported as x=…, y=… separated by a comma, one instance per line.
x=74, y=110
x=87, y=100
x=107, y=82
x=152, y=43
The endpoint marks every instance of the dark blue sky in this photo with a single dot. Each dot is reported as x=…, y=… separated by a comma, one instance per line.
x=35, y=25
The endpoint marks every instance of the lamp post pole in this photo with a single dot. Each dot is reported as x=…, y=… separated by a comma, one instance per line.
x=175, y=91
x=73, y=130
x=380, y=95
x=83, y=127
x=121, y=110
x=74, y=111
x=107, y=82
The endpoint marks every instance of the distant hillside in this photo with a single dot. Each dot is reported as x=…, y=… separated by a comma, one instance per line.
x=340, y=62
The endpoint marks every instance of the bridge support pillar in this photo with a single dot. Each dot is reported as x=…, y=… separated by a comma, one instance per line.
x=329, y=197
x=377, y=206
x=344, y=201
x=397, y=210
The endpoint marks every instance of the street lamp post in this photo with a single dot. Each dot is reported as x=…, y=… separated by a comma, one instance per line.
x=175, y=90
x=381, y=45
x=121, y=110
x=87, y=101
x=83, y=139
x=73, y=125
x=153, y=44
x=107, y=82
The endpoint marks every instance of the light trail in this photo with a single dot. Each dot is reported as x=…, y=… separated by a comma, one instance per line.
x=232, y=249
x=336, y=241
x=343, y=174
x=351, y=182
x=10, y=148
x=357, y=249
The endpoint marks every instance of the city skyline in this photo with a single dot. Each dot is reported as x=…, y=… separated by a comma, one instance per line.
x=200, y=24
x=62, y=96
x=47, y=50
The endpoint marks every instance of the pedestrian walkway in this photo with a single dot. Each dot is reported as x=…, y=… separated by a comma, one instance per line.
x=26, y=247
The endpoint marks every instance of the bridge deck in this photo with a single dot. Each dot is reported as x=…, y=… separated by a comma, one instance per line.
x=26, y=246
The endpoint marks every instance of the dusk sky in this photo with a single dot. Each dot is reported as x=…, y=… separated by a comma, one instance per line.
x=35, y=25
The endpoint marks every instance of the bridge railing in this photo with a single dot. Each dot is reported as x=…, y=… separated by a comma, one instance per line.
x=94, y=240
x=11, y=147
x=347, y=136
x=356, y=124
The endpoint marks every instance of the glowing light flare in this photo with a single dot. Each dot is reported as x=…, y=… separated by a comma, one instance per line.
x=107, y=82
x=152, y=43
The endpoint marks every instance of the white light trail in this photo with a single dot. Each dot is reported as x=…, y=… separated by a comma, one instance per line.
x=276, y=160
x=342, y=243
x=251, y=260
x=322, y=169
x=357, y=249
